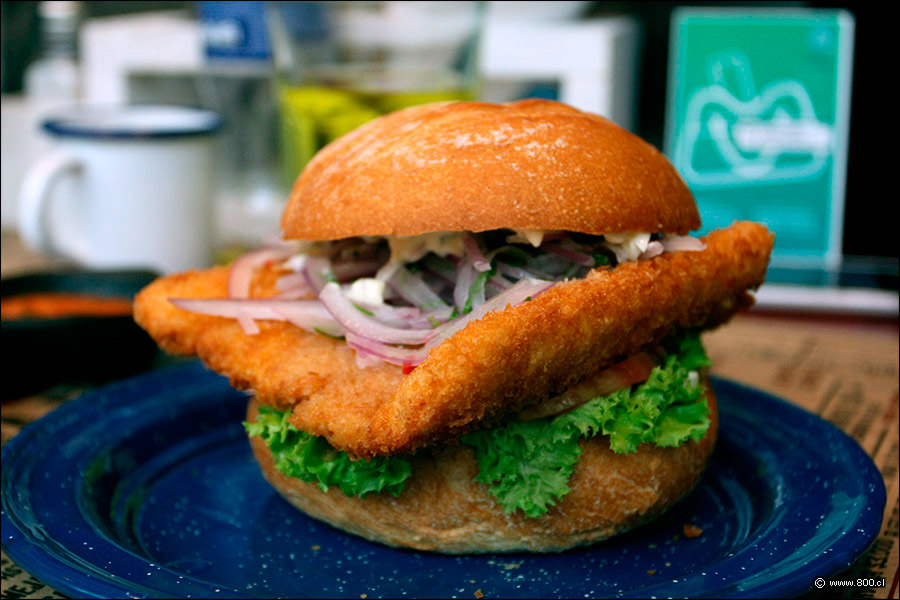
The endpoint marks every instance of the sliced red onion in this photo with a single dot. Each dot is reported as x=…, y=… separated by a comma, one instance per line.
x=441, y=267
x=682, y=243
x=394, y=316
x=553, y=265
x=391, y=354
x=414, y=290
x=519, y=273
x=474, y=254
x=576, y=257
x=355, y=321
x=310, y=315
x=297, y=293
x=317, y=271
x=291, y=281
x=367, y=360
x=654, y=248
x=478, y=291
x=498, y=283
x=241, y=271
x=247, y=324
x=255, y=308
x=432, y=317
x=464, y=276
x=524, y=289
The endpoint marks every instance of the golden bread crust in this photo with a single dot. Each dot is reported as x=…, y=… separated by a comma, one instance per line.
x=492, y=367
x=443, y=508
x=531, y=164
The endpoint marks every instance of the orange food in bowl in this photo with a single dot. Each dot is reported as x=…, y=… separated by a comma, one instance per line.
x=54, y=305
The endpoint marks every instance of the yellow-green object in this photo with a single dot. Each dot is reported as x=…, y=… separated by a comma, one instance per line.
x=313, y=116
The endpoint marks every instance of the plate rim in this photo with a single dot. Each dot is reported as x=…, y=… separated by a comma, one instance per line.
x=59, y=574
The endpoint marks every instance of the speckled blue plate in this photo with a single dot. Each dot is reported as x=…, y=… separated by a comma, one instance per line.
x=147, y=488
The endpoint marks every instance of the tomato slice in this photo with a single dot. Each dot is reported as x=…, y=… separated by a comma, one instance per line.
x=632, y=370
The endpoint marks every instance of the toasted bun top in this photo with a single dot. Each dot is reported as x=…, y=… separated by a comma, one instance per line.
x=532, y=164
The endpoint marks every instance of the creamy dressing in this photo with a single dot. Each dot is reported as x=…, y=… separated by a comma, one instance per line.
x=367, y=290
x=627, y=246
x=407, y=249
x=527, y=236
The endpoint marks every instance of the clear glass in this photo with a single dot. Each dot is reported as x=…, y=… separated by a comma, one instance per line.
x=340, y=64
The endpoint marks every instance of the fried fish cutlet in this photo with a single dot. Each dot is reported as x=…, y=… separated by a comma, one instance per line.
x=494, y=366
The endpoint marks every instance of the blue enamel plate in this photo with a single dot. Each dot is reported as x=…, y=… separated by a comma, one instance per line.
x=147, y=488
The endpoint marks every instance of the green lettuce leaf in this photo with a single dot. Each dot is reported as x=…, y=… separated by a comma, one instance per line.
x=527, y=464
x=310, y=458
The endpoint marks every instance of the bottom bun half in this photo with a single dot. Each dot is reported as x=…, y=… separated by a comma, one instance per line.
x=443, y=508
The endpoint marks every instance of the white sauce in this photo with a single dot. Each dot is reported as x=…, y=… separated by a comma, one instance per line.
x=627, y=246
x=367, y=290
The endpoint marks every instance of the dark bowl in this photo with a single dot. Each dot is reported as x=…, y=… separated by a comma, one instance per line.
x=41, y=352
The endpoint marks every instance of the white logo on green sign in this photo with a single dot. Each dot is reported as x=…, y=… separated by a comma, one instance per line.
x=758, y=113
x=773, y=135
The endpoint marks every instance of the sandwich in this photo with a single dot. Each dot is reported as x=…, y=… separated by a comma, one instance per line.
x=480, y=331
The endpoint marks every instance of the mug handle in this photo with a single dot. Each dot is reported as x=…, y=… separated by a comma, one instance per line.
x=35, y=194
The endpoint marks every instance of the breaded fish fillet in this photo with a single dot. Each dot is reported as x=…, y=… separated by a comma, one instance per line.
x=494, y=366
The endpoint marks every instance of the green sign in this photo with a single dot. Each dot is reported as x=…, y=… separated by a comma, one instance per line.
x=758, y=119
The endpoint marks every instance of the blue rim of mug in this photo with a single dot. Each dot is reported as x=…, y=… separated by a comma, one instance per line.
x=134, y=122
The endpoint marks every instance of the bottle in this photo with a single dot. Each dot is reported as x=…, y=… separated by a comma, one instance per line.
x=52, y=79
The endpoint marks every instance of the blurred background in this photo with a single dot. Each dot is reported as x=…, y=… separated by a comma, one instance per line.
x=773, y=111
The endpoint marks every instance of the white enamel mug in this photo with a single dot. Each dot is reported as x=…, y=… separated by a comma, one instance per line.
x=125, y=187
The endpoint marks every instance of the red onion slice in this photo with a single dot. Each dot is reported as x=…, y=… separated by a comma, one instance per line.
x=654, y=248
x=682, y=243
x=367, y=360
x=317, y=271
x=394, y=316
x=241, y=271
x=310, y=315
x=576, y=257
x=432, y=317
x=520, y=292
x=515, y=272
x=293, y=294
x=464, y=276
x=291, y=281
x=414, y=290
x=474, y=254
x=247, y=324
x=228, y=308
x=392, y=354
x=355, y=321
x=499, y=283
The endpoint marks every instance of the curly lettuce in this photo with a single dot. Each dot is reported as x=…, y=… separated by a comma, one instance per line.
x=526, y=465
x=311, y=458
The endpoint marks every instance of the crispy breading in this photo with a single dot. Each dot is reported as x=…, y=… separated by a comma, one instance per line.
x=494, y=366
